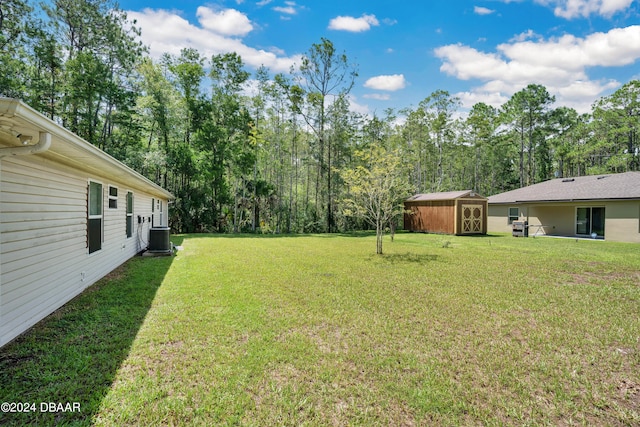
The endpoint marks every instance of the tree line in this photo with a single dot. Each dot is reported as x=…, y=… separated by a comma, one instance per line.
x=277, y=158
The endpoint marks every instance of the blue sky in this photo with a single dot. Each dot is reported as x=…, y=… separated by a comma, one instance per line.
x=479, y=51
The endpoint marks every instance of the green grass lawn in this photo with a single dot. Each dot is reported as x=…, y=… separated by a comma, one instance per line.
x=318, y=330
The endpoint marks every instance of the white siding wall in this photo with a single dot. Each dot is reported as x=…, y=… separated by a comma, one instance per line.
x=43, y=248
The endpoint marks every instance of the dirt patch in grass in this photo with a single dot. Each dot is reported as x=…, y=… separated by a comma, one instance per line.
x=328, y=339
x=585, y=278
x=604, y=278
x=629, y=394
x=279, y=387
x=627, y=381
x=117, y=274
x=599, y=273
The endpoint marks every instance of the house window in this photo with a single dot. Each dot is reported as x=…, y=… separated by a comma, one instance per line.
x=113, y=197
x=589, y=221
x=94, y=216
x=129, y=214
x=514, y=214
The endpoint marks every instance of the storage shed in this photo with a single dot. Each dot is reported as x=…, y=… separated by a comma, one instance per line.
x=69, y=214
x=453, y=212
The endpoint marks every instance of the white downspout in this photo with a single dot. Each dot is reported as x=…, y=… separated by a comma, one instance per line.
x=43, y=145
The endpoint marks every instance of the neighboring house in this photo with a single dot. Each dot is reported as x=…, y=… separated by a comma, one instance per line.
x=69, y=214
x=607, y=205
x=453, y=212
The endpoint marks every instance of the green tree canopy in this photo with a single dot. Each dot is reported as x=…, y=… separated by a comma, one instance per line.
x=376, y=188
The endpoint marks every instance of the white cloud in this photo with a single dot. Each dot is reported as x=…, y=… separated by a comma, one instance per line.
x=469, y=99
x=389, y=83
x=355, y=25
x=377, y=96
x=479, y=10
x=586, y=89
x=356, y=107
x=289, y=9
x=560, y=64
x=619, y=46
x=527, y=35
x=167, y=32
x=227, y=22
x=570, y=9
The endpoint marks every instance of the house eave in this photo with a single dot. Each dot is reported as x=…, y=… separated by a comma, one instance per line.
x=612, y=199
x=18, y=118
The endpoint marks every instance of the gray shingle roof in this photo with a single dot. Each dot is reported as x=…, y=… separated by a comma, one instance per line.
x=596, y=187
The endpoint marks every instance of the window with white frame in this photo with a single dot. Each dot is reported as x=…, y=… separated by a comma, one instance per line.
x=94, y=216
x=129, y=215
x=113, y=197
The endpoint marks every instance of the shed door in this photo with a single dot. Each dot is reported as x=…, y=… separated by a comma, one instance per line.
x=472, y=219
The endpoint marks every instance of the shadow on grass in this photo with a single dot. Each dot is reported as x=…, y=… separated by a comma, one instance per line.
x=72, y=357
x=409, y=258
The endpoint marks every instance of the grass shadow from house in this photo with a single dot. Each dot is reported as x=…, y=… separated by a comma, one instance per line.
x=71, y=358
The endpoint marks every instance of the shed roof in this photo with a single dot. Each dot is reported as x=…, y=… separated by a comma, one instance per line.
x=67, y=148
x=595, y=187
x=446, y=195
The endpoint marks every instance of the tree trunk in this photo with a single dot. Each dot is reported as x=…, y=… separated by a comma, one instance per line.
x=379, y=230
x=329, y=203
x=522, y=156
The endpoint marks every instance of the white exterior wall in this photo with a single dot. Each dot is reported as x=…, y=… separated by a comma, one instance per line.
x=43, y=246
